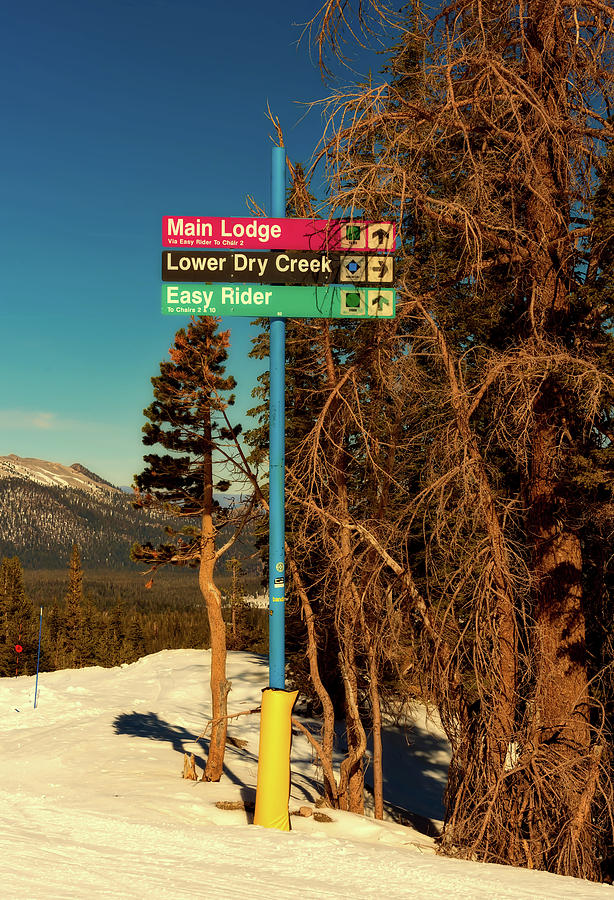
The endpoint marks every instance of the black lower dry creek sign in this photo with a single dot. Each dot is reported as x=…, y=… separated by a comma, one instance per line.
x=305, y=268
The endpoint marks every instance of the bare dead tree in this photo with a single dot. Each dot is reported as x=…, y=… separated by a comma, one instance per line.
x=485, y=145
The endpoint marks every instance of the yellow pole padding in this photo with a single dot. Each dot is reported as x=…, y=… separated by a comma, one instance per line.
x=273, y=790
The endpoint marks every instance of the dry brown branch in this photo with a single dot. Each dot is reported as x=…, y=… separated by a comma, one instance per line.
x=489, y=145
x=213, y=722
x=337, y=18
x=324, y=758
x=278, y=138
x=255, y=208
x=489, y=149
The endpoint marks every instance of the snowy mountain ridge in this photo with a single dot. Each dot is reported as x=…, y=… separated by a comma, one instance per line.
x=46, y=507
x=54, y=474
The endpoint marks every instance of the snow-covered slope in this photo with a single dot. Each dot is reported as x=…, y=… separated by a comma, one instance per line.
x=55, y=474
x=92, y=804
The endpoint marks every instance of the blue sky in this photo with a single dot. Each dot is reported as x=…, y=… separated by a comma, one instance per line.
x=114, y=114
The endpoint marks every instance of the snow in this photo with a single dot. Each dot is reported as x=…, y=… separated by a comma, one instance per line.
x=93, y=804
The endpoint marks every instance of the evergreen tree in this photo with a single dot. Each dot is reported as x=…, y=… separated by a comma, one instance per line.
x=189, y=418
x=75, y=629
x=18, y=622
x=134, y=640
x=238, y=625
x=90, y=632
x=53, y=638
x=112, y=635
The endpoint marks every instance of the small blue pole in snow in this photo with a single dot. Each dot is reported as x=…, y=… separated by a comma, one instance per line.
x=38, y=658
x=277, y=364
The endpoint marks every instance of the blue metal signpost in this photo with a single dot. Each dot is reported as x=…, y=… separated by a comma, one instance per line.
x=376, y=300
x=273, y=787
x=277, y=386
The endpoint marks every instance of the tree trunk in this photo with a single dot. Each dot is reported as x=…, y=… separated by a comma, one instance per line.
x=505, y=638
x=562, y=689
x=326, y=745
x=220, y=687
x=351, y=779
x=376, y=721
x=561, y=723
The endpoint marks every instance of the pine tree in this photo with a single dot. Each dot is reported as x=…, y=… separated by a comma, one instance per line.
x=234, y=597
x=76, y=626
x=189, y=418
x=90, y=632
x=109, y=649
x=18, y=622
x=134, y=639
x=53, y=640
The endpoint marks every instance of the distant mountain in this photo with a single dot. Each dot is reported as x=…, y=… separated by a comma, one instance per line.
x=46, y=507
x=55, y=474
x=77, y=467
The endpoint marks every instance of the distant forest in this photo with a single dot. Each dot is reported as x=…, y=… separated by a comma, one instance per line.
x=107, y=618
x=171, y=588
